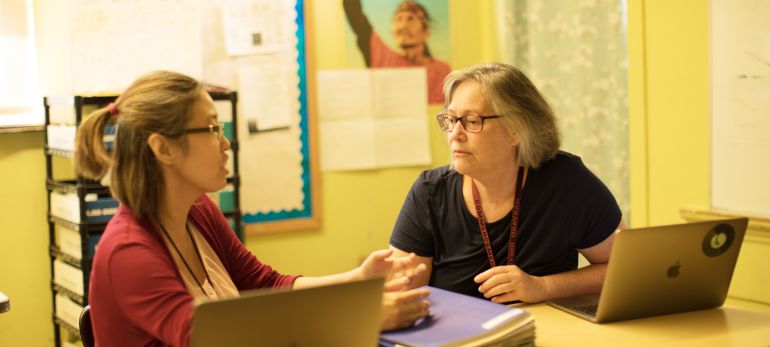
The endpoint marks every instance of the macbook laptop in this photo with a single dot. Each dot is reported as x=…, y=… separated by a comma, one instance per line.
x=663, y=270
x=346, y=314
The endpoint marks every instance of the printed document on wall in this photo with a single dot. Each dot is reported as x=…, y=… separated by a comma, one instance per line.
x=258, y=26
x=373, y=118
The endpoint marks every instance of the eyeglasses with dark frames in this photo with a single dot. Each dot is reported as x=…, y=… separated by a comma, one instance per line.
x=471, y=123
x=218, y=130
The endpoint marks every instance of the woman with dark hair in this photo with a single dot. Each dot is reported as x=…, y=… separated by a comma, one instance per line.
x=411, y=30
x=507, y=219
x=168, y=245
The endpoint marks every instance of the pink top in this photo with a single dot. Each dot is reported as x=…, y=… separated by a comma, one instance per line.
x=383, y=56
x=137, y=296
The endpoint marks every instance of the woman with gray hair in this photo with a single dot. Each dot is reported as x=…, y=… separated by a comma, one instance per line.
x=507, y=218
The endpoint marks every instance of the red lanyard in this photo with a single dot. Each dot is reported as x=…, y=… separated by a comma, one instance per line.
x=514, y=219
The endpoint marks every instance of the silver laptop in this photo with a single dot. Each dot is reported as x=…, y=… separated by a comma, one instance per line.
x=346, y=314
x=663, y=270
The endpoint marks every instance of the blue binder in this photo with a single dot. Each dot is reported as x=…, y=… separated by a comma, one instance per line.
x=458, y=319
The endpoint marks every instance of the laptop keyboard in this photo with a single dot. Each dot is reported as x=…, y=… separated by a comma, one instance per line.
x=589, y=309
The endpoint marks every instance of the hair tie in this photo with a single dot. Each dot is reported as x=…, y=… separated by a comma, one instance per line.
x=113, y=109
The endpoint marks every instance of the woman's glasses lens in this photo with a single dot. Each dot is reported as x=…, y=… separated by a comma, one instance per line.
x=470, y=123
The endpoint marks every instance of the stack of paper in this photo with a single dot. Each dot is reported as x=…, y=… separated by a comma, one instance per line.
x=461, y=320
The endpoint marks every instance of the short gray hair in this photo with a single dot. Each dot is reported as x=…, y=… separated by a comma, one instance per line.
x=525, y=112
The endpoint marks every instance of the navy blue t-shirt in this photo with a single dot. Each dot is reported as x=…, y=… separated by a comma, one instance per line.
x=564, y=207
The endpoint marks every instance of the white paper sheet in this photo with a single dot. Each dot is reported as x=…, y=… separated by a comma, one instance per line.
x=399, y=141
x=257, y=26
x=373, y=118
x=268, y=95
x=344, y=95
x=271, y=170
x=399, y=93
x=351, y=144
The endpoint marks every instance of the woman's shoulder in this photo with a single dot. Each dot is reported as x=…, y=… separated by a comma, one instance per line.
x=437, y=176
x=125, y=227
x=564, y=157
x=125, y=234
x=435, y=180
x=570, y=170
x=564, y=163
x=564, y=169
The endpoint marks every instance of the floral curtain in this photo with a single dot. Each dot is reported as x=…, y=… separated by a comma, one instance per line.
x=575, y=52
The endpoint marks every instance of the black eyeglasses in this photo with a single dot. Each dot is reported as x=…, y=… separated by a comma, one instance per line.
x=218, y=130
x=471, y=123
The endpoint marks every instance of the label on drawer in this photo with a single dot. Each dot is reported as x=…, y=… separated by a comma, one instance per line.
x=61, y=137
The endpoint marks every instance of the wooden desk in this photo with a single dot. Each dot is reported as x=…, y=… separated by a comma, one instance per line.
x=725, y=326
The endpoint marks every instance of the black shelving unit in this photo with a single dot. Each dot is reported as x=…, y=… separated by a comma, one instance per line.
x=234, y=213
x=95, y=207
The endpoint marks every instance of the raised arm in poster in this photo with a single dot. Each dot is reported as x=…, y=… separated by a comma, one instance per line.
x=412, y=25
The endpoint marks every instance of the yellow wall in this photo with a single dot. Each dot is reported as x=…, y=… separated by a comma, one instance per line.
x=24, y=263
x=669, y=109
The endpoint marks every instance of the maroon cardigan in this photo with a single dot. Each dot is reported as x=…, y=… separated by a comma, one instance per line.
x=137, y=296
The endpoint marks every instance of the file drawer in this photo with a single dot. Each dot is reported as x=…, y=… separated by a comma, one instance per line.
x=97, y=209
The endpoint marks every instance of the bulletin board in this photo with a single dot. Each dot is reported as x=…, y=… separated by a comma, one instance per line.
x=740, y=96
x=307, y=215
x=114, y=41
x=280, y=189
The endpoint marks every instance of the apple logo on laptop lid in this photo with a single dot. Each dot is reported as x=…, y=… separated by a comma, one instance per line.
x=673, y=270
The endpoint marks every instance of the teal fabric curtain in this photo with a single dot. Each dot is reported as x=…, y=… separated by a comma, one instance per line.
x=575, y=52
